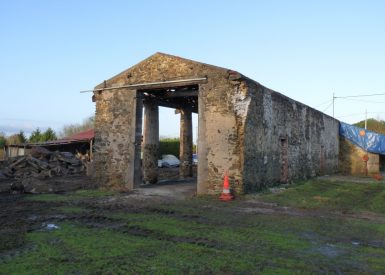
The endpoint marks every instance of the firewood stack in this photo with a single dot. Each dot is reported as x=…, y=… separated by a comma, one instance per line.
x=42, y=163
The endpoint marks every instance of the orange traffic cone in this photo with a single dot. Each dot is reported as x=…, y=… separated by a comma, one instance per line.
x=226, y=195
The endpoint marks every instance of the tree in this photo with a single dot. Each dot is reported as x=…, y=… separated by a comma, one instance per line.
x=36, y=136
x=71, y=129
x=22, y=137
x=169, y=146
x=48, y=135
x=13, y=139
x=373, y=125
x=2, y=140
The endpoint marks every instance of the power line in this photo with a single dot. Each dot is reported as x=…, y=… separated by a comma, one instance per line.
x=357, y=114
x=323, y=103
x=358, y=95
x=328, y=107
x=350, y=96
x=360, y=114
x=366, y=101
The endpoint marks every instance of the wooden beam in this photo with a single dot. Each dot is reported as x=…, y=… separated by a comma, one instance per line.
x=194, y=109
x=189, y=93
x=152, y=85
x=91, y=155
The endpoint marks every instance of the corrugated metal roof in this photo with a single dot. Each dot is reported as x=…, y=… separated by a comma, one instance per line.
x=78, y=137
x=86, y=135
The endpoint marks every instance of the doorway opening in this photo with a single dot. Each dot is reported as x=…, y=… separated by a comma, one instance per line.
x=322, y=160
x=382, y=164
x=284, y=161
x=165, y=150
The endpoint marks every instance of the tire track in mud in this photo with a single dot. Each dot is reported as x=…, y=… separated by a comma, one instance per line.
x=16, y=220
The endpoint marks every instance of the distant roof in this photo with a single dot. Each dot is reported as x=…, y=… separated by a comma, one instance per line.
x=78, y=137
x=86, y=135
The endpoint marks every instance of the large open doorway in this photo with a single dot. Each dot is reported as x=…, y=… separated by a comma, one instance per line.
x=151, y=167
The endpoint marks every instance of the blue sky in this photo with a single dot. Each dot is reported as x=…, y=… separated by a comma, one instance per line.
x=306, y=50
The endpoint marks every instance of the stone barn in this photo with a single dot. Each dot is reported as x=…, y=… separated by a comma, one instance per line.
x=259, y=136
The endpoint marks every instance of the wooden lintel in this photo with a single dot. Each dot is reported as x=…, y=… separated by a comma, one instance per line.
x=168, y=85
x=176, y=94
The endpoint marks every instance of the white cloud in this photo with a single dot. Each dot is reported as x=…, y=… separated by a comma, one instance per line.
x=14, y=127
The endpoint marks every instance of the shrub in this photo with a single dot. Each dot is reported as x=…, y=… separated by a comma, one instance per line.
x=169, y=146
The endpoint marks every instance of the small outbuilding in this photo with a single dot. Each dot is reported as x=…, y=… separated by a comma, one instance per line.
x=362, y=152
x=256, y=135
x=81, y=142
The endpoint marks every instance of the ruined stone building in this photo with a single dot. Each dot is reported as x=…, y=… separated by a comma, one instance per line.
x=259, y=136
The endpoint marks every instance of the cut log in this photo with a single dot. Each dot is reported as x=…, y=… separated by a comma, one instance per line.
x=2, y=176
x=68, y=160
x=40, y=152
x=39, y=163
x=42, y=164
x=44, y=174
x=8, y=172
x=17, y=162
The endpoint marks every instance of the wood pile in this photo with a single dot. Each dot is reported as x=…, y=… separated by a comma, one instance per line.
x=42, y=163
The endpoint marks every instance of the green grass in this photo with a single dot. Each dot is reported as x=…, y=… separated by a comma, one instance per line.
x=201, y=236
x=77, y=195
x=71, y=209
x=259, y=244
x=344, y=196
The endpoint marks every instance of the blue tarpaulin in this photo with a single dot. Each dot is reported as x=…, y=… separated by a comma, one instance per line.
x=369, y=141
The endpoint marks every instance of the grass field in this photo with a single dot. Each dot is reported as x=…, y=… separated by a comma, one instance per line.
x=330, y=195
x=301, y=230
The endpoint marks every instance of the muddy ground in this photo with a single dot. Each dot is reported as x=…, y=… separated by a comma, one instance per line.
x=20, y=215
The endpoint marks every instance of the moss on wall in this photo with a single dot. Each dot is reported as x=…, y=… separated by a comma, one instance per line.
x=351, y=160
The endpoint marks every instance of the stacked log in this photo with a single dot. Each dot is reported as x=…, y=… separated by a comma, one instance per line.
x=42, y=163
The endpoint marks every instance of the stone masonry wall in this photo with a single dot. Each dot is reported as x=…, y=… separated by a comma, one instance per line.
x=220, y=131
x=219, y=139
x=312, y=139
x=241, y=128
x=114, y=140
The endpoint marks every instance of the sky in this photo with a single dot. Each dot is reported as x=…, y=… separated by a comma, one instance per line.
x=307, y=50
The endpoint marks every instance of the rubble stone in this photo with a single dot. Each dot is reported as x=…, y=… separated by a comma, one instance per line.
x=256, y=135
